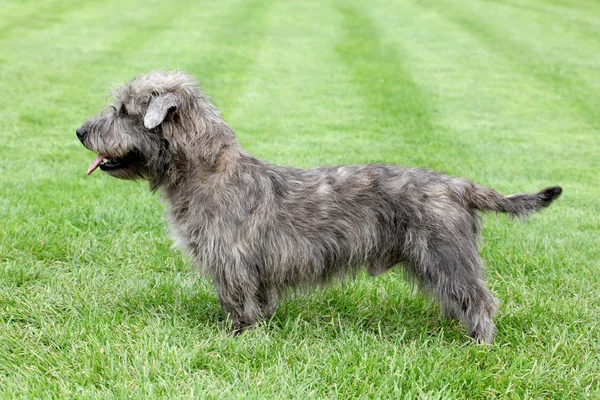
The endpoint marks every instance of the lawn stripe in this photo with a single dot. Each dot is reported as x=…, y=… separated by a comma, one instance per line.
x=393, y=93
x=24, y=19
x=581, y=5
x=563, y=36
x=223, y=55
x=525, y=59
x=397, y=111
x=299, y=43
x=486, y=106
x=567, y=17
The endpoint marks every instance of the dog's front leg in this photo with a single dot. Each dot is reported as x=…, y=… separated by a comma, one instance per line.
x=238, y=298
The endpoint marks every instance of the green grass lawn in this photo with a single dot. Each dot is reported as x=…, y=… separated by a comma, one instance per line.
x=95, y=304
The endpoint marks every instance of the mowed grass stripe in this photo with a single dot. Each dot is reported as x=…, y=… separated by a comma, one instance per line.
x=23, y=55
x=554, y=109
x=307, y=120
x=510, y=44
x=401, y=64
x=398, y=112
x=441, y=71
x=22, y=19
x=481, y=102
x=568, y=17
x=221, y=53
x=585, y=6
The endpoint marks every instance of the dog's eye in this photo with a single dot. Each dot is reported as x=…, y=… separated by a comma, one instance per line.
x=123, y=110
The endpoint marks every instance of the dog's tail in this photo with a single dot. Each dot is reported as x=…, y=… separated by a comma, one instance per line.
x=517, y=205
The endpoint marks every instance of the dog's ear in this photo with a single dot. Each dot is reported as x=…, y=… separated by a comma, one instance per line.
x=158, y=109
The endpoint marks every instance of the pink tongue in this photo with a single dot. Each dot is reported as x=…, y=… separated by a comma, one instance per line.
x=95, y=164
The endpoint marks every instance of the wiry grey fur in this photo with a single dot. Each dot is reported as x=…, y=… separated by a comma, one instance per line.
x=258, y=229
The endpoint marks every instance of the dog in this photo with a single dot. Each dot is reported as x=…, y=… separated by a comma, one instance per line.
x=259, y=230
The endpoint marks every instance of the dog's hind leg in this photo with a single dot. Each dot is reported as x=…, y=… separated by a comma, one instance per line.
x=453, y=272
x=267, y=298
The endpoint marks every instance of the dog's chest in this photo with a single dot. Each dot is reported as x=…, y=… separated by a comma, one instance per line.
x=194, y=229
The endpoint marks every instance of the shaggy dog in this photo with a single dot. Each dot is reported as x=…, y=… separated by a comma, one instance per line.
x=259, y=229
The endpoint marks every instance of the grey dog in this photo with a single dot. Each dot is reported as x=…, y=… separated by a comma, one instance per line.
x=259, y=230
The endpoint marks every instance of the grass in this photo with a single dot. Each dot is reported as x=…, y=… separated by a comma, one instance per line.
x=95, y=304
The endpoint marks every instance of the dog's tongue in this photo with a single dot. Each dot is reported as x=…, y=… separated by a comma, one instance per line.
x=95, y=164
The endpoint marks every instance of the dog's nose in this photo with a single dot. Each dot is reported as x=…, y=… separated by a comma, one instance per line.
x=81, y=133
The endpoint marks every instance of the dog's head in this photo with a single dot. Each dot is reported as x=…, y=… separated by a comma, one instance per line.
x=153, y=122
